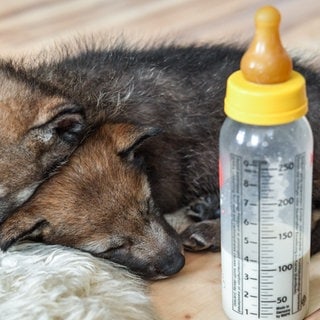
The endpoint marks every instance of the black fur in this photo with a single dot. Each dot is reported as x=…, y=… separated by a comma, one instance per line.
x=177, y=89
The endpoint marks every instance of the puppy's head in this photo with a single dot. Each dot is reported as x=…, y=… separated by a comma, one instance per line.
x=101, y=202
x=38, y=132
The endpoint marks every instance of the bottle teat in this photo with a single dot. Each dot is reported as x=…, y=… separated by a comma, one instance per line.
x=266, y=61
x=266, y=91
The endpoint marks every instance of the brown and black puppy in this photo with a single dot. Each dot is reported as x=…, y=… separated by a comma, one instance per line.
x=101, y=202
x=177, y=89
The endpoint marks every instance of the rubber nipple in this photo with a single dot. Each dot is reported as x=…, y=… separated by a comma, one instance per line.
x=266, y=61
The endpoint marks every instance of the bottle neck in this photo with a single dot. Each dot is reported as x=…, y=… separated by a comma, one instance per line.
x=265, y=105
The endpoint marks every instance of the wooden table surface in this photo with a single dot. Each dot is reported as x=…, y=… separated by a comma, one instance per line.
x=30, y=24
x=27, y=25
x=194, y=293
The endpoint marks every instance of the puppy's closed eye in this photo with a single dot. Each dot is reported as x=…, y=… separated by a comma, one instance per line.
x=105, y=247
x=13, y=230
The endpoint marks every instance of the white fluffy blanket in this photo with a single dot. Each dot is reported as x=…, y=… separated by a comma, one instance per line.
x=52, y=282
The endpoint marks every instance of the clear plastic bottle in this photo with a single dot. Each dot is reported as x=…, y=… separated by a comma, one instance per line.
x=265, y=220
x=266, y=150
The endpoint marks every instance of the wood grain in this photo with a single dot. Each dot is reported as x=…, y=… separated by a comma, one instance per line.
x=27, y=25
x=30, y=24
x=194, y=293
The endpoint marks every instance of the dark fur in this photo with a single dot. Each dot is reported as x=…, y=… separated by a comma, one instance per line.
x=100, y=202
x=38, y=132
x=179, y=90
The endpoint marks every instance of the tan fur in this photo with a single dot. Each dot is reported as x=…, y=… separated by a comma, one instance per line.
x=100, y=202
x=31, y=139
x=177, y=89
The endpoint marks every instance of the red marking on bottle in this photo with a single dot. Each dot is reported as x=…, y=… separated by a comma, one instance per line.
x=311, y=158
x=220, y=175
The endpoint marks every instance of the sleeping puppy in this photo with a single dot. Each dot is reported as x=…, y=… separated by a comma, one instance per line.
x=48, y=105
x=178, y=90
x=100, y=202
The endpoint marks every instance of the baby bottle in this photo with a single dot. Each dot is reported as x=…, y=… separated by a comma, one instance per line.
x=266, y=150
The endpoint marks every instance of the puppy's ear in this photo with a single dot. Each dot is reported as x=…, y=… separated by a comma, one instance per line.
x=128, y=138
x=68, y=124
x=18, y=227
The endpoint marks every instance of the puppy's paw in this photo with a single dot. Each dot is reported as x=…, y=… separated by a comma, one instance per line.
x=205, y=208
x=202, y=235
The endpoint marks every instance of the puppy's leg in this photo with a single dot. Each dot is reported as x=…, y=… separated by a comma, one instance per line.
x=206, y=233
x=202, y=235
x=198, y=224
x=204, y=208
x=203, y=232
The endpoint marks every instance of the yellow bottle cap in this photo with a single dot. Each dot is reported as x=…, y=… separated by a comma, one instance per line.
x=266, y=91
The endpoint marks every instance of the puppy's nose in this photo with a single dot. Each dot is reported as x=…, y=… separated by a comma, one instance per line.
x=171, y=264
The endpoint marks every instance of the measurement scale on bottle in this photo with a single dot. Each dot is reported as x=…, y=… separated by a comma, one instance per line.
x=265, y=283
